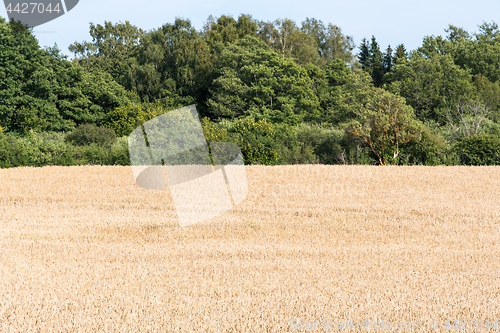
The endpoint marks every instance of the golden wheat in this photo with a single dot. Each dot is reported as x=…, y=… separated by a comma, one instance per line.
x=83, y=249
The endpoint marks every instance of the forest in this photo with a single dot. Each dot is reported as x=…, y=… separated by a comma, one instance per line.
x=285, y=93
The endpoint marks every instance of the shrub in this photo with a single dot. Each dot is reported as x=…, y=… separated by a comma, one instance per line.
x=88, y=134
x=9, y=152
x=43, y=149
x=40, y=149
x=214, y=132
x=432, y=149
x=92, y=154
x=483, y=149
x=256, y=140
x=119, y=152
x=292, y=150
x=305, y=144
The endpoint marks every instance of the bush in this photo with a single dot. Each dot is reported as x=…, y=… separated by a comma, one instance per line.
x=119, y=152
x=88, y=134
x=92, y=154
x=256, y=140
x=40, y=149
x=292, y=149
x=432, y=149
x=9, y=152
x=305, y=144
x=483, y=149
x=43, y=149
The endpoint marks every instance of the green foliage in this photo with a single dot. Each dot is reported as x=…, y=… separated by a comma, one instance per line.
x=348, y=92
x=400, y=53
x=432, y=149
x=124, y=119
x=377, y=70
x=256, y=140
x=481, y=149
x=331, y=43
x=214, y=132
x=112, y=48
x=266, y=143
x=120, y=152
x=23, y=75
x=26, y=120
x=41, y=90
x=288, y=41
x=254, y=81
x=467, y=118
x=373, y=62
x=293, y=150
x=226, y=30
x=384, y=125
x=95, y=154
x=489, y=94
x=429, y=85
x=50, y=148
x=9, y=152
x=354, y=152
x=39, y=150
x=283, y=93
x=307, y=144
x=482, y=55
x=88, y=134
x=172, y=59
x=364, y=54
x=479, y=55
x=388, y=60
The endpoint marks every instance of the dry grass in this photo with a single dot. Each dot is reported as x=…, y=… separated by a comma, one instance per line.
x=82, y=249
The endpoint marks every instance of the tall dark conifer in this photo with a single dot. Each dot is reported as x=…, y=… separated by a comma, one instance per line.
x=400, y=52
x=376, y=63
x=388, y=59
x=364, y=54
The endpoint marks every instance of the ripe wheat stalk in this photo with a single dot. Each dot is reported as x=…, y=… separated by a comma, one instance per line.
x=83, y=249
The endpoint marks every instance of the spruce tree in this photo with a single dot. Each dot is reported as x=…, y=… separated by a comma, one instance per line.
x=388, y=59
x=376, y=62
x=400, y=52
x=364, y=55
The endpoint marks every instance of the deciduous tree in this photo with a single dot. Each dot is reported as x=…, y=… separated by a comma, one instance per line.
x=385, y=125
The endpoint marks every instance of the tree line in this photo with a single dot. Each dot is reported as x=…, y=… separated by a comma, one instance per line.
x=285, y=93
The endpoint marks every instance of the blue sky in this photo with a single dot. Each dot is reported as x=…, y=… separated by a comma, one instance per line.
x=390, y=21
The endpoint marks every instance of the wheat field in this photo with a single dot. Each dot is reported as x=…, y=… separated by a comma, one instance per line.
x=311, y=248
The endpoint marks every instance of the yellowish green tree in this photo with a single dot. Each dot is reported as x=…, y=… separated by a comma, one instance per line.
x=385, y=125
